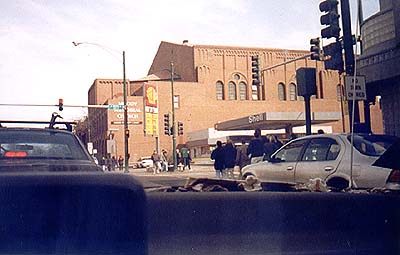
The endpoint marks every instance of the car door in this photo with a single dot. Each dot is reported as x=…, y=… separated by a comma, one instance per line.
x=319, y=160
x=283, y=163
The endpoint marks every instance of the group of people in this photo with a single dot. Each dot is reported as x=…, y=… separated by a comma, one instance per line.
x=227, y=158
x=160, y=161
x=111, y=163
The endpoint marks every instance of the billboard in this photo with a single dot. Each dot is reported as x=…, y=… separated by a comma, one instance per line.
x=150, y=97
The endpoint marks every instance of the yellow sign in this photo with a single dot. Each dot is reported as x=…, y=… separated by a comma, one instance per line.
x=151, y=124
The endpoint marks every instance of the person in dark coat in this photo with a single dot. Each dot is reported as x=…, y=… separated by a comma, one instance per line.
x=255, y=151
x=218, y=156
x=269, y=147
x=229, y=159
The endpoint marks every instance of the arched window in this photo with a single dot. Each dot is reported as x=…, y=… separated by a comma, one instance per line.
x=281, y=92
x=219, y=87
x=339, y=91
x=232, y=90
x=292, y=92
x=242, y=91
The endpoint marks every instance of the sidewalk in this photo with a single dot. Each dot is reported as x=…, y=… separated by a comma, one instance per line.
x=195, y=171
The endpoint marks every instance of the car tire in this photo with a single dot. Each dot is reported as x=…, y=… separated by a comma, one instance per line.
x=337, y=184
x=246, y=175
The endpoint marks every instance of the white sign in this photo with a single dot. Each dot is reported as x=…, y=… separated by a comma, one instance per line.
x=355, y=87
x=90, y=148
x=111, y=146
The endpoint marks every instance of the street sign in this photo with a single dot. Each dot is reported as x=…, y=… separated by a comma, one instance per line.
x=355, y=86
x=111, y=146
x=90, y=147
x=115, y=107
x=129, y=123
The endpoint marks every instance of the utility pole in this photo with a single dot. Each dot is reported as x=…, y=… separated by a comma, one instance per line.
x=126, y=128
x=173, y=118
x=349, y=57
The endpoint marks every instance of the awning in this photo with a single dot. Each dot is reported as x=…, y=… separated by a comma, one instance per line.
x=277, y=120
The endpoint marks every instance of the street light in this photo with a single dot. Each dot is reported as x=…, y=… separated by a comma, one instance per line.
x=126, y=129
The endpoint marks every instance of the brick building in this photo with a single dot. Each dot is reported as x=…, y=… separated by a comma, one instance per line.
x=380, y=61
x=212, y=84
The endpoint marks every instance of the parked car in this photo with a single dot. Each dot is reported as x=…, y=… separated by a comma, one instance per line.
x=146, y=162
x=327, y=156
x=35, y=149
x=390, y=159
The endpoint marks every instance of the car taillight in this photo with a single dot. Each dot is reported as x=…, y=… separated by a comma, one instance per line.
x=394, y=176
x=15, y=154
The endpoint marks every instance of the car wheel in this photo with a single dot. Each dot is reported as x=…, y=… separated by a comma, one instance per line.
x=247, y=175
x=338, y=184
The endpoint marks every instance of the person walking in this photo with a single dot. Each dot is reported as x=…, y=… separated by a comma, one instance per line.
x=218, y=156
x=164, y=160
x=269, y=147
x=255, y=151
x=120, y=162
x=242, y=159
x=185, y=157
x=229, y=159
x=156, y=162
x=179, y=160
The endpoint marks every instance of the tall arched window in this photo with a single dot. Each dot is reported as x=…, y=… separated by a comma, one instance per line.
x=292, y=92
x=219, y=88
x=339, y=91
x=232, y=90
x=242, y=91
x=281, y=92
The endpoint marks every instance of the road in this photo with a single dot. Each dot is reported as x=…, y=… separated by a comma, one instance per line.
x=174, y=179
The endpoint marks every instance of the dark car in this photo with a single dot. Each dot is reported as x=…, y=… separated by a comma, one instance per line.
x=34, y=149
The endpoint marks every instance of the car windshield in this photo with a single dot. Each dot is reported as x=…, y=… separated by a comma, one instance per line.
x=39, y=145
x=372, y=145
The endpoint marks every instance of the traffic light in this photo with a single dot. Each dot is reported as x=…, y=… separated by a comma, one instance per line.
x=315, y=49
x=167, y=126
x=330, y=19
x=60, y=104
x=255, y=70
x=180, y=128
x=126, y=133
x=333, y=57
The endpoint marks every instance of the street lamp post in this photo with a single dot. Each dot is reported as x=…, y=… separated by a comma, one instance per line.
x=126, y=128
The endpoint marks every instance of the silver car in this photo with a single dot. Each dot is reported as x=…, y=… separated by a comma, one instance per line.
x=327, y=157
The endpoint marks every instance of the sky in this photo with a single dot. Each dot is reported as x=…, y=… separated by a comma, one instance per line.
x=39, y=64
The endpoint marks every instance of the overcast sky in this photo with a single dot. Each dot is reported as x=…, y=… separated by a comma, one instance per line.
x=39, y=63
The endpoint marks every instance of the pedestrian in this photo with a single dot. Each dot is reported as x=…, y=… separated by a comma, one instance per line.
x=120, y=162
x=179, y=160
x=103, y=163
x=276, y=141
x=113, y=163
x=189, y=160
x=218, y=156
x=255, y=151
x=229, y=159
x=156, y=162
x=269, y=147
x=185, y=157
x=109, y=163
x=242, y=159
x=164, y=160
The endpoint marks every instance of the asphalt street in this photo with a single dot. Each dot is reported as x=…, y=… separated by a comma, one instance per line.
x=174, y=179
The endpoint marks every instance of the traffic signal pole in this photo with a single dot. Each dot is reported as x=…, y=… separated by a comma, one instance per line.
x=173, y=119
x=354, y=114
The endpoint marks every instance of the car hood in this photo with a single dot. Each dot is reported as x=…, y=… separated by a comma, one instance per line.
x=48, y=165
